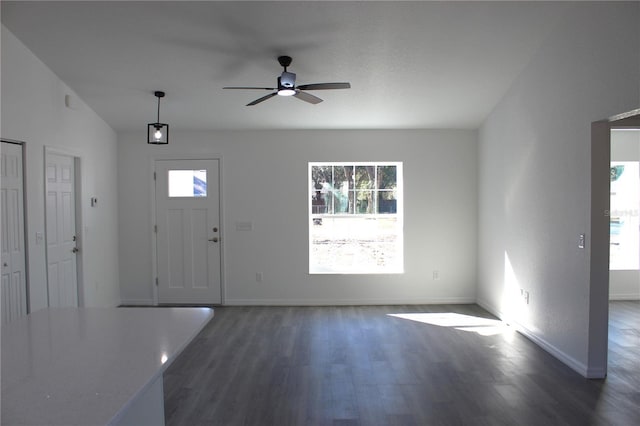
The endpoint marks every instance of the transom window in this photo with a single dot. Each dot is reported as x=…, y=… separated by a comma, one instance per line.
x=355, y=218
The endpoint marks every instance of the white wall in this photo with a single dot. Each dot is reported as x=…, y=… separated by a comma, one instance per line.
x=33, y=111
x=265, y=181
x=625, y=285
x=535, y=170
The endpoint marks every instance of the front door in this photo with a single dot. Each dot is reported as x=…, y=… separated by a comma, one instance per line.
x=188, y=231
x=62, y=276
x=14, y=284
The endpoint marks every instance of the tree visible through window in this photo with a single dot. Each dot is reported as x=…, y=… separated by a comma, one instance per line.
x=355, y=221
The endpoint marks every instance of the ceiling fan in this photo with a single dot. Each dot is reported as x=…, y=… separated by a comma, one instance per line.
x=287, y=86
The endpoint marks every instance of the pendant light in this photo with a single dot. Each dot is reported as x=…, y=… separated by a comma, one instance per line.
x=158, y=133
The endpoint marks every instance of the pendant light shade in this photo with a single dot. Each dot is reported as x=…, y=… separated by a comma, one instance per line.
x=158, y=133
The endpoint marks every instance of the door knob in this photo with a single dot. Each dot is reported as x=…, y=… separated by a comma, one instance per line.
x=5, y=264
x=214, y=239
x=75, y=250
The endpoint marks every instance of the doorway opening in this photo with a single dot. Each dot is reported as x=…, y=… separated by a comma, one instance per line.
x=624, y=246
x=603, y=223
x=624, y=231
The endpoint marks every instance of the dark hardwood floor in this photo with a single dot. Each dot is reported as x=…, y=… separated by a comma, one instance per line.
x=448, y=365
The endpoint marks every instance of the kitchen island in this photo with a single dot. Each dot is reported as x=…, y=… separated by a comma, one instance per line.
x=92, y=366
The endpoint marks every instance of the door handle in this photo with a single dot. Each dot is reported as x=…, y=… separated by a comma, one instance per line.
x=214, y=239
x=75, y=250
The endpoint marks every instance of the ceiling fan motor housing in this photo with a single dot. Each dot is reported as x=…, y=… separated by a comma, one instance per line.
x=288, y=80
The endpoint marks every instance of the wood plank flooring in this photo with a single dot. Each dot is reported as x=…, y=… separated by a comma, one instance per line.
x=447, y=365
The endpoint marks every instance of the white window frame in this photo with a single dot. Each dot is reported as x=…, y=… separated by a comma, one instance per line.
x=397, y=267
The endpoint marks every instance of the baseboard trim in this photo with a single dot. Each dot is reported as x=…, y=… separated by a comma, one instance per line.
x=137, y=302
x=596, y=373
x=624, y=297
x=571, y=362
x=343, y=302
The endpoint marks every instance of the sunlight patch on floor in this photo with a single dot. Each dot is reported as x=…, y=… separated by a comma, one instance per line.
x=470, y=323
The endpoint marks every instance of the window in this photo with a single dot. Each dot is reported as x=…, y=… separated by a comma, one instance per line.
x=355, y=218
x=187, y=183
x=624, y=222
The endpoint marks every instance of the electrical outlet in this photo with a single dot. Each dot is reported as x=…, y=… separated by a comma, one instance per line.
x=259, y=277
x=526, y=297
x=436, y=275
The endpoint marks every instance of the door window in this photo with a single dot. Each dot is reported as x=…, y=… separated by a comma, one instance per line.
x=187, y=183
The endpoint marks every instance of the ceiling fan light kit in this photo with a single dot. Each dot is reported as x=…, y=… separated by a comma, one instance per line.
x=287, y=86
x=158, y=133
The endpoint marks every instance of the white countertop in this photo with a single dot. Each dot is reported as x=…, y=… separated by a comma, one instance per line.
x=82, y=366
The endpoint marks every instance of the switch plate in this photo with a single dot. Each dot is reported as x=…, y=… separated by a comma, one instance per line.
x=581, y=241
x=244, y=226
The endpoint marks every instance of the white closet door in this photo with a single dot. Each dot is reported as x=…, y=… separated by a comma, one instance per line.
x=62, y=276
x=14, y=283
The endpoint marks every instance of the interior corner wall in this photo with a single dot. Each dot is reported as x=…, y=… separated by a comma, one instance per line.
x=265, y=182
x=33, y=111
x=625, y=284
x=534, y=179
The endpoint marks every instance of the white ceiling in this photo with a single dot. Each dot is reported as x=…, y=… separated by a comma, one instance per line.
x=410, y=64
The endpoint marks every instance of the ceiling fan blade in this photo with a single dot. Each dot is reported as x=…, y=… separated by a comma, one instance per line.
x=251, y=88
x=307, y=97
x=324, y=86
x=262, y=99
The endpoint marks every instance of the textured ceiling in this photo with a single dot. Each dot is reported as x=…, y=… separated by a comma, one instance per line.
x=410, y=64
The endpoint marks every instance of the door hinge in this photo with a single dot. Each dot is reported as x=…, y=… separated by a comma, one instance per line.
x=155, y=228
x=154, y=175
x=156, y=281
